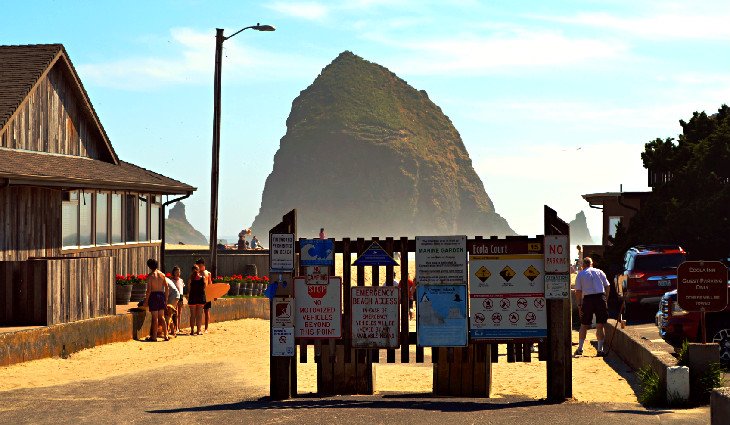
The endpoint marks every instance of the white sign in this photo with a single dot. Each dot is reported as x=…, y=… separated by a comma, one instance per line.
x=507, y=294
x=317, y=275
x=557, y=286
x=375, y=316
x=281, y=252
x=318, y=309
x=557, y=257
x=441, y=259
x=283, y=313
x=282, y=342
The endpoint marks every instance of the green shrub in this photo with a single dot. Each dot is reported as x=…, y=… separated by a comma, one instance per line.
x=652, y=390
x=711, y=379
x=683, y=354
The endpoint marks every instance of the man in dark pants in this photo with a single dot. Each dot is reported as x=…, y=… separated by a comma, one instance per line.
x=591, y=287
x=209, y=280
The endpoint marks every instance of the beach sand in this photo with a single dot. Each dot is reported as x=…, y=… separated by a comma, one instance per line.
x=242, y=347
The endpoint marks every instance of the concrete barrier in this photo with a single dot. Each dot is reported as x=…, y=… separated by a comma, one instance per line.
x=720, y=406
x=64, y=339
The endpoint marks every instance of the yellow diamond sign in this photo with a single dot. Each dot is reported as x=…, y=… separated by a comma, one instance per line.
x=507, y=273
x=483, y=273
x=532, y=273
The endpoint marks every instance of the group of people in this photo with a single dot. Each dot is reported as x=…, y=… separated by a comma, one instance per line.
x=164, y=299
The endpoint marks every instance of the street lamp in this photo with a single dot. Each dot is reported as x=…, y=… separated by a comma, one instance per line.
x=214, y=174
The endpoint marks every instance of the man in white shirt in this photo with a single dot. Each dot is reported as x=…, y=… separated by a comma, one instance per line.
x=591, y=287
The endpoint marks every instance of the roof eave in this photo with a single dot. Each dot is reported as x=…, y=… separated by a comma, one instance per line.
x=95, y=184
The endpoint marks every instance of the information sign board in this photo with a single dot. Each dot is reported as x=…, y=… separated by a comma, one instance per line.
x=557, y=286
x=702, y=285
x=375, y=316
x=441, y=259
x=441, y=315
x=557, y=255
x=281, y=252
x=317, y=252
x=318, y=308
x=283, y=313
x=507, y=293
x=282, y=342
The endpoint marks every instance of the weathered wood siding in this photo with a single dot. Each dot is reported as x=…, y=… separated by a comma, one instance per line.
x=57, y=290
x=53, y=120
x=79, y=288
x=30, y=223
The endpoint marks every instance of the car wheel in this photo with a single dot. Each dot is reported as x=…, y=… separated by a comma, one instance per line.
x=722, y=338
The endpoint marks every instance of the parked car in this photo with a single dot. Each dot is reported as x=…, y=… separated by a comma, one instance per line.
x=676, y=325
x=648, y=272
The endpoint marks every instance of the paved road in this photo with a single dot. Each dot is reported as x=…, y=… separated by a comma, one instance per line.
x=203, y=394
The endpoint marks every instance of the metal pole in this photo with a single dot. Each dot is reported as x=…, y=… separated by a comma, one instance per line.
x=214, y=173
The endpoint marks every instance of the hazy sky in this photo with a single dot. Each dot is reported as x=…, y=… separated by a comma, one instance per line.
x=552, y=99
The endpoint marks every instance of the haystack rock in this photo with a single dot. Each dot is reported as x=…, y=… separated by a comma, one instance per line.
x=178, y=229
x=365, y=154
x=579, y=233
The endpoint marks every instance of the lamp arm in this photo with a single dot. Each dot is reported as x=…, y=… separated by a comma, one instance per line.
x=236, y=33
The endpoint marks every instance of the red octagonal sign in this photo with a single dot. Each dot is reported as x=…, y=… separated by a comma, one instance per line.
x=702, y=285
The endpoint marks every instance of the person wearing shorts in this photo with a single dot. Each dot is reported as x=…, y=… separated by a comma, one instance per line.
x=156, y=298
x=591, y=287
x=208, y=280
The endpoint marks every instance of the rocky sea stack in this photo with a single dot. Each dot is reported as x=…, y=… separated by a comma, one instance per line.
x=178, y=229
x=366, y=154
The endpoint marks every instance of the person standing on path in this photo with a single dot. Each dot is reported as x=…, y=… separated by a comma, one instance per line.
x=156, y=298
x=196, y=299
x=591, y=287
x=180, y=284
x=208, y=281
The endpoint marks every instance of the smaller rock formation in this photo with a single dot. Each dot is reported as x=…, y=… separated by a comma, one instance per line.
x=579, y=234
x=179, y=230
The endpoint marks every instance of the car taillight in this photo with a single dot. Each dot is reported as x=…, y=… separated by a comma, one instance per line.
x=636, y=275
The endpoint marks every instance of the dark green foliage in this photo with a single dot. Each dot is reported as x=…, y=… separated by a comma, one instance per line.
x=652, y=391
x=683, y=354
x=711, y=379
x=693, y=208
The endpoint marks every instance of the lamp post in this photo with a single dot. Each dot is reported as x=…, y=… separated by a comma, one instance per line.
x=214, y=173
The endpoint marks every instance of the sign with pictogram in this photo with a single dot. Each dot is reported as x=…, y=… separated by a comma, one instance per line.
x=318, y=308
x=375, y=316
x=557, y=286
x=702, y=285
x=483, y=274
x=507, y=273
x=317, y=252
x=282, y=342
x=283, y=313
x=557, y=256
x=441, y=259
x=512, y=303
x=531, y=273
x=375, y=255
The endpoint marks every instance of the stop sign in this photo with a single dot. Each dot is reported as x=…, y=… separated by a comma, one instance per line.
x=702, y=285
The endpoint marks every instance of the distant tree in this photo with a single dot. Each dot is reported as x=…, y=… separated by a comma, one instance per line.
x=693, y=208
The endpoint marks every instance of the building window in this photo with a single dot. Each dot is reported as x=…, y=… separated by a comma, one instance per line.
x=102, y=219
x=70, y=220
x=85, y=219
x=116, y=216
x=142, y=217
x=613, y=223
x=155, y=209
x=130, y=218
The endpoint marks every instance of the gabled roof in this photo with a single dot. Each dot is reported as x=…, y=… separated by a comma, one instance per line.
x=75, y=172
x=21, y=69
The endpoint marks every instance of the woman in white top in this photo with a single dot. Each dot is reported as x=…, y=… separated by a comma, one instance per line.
x=180, y=284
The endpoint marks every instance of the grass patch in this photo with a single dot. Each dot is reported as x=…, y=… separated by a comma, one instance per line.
x=652, y=391
x=683, y=354
x=710, y=380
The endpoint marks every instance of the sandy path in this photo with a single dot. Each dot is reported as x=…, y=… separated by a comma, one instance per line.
x=242, y=348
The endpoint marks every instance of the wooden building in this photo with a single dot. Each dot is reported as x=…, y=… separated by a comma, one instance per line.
x=72, y=214
x=618, y=209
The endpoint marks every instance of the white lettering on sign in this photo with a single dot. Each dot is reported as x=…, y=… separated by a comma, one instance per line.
x=318, y=308
x=375, y=316
x=556, y=254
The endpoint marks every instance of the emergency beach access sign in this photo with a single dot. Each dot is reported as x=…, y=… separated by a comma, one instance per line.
x=375, y=316
x=318, y=308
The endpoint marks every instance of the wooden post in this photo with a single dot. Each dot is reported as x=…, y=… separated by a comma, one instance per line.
x=559, y=360
x=282, y=379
